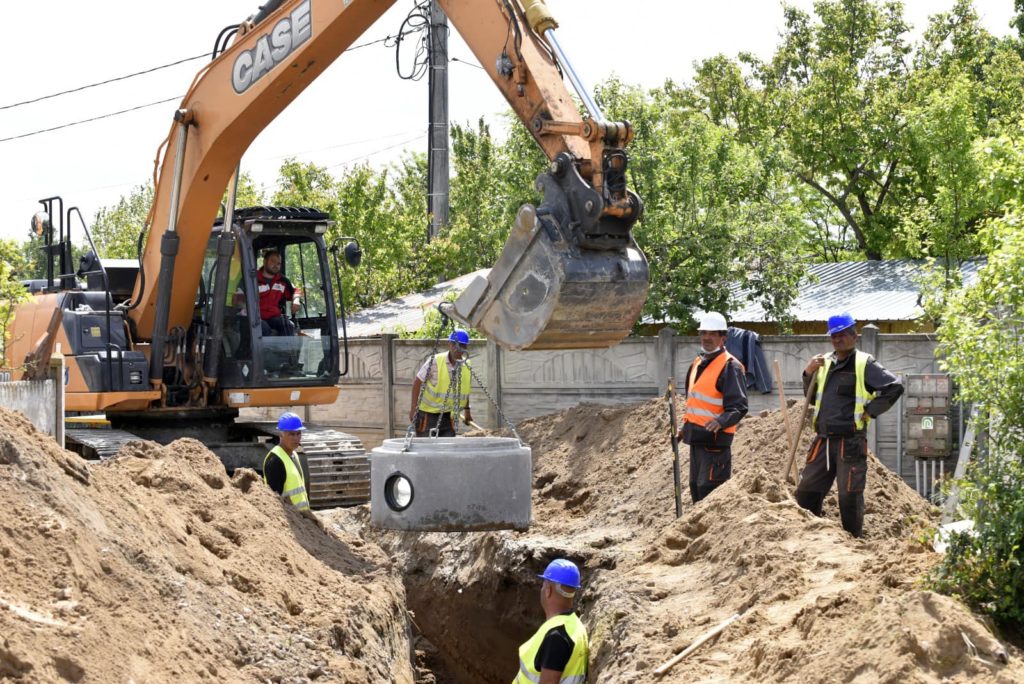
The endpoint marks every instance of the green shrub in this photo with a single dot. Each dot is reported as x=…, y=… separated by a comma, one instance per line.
x=981, y=341
x=986, y=568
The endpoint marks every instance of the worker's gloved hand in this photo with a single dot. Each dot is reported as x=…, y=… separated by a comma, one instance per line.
x=679, y=433
x=469, y=417
x=713, y=426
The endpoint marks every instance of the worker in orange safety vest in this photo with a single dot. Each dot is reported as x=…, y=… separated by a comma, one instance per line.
x=716, y=401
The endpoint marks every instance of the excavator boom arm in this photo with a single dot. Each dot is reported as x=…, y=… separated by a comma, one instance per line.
x=270, y=63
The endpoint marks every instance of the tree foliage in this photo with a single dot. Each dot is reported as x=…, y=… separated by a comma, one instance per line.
x=982, y=343
x=12, y=292
x=115, y=230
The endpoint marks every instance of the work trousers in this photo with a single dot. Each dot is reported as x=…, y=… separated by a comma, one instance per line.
x=278, y=325
x=709, y=468
x=829, y=458
x=425, y=422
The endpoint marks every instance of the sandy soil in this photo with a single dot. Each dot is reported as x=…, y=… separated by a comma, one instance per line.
x=816, y=604
x=155, y=567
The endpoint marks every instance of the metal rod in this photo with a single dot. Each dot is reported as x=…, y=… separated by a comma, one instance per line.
x=168, y=253
x=179, y=166
x=581, y=89
x=899, y=432
x=225, y=252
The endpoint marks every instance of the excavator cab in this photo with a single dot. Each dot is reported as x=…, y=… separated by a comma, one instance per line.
x=270, y=292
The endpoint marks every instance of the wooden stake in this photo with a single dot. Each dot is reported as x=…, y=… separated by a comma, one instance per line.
x=788, y=474
x=782, y=404
x=670, y=395
x=701, y=640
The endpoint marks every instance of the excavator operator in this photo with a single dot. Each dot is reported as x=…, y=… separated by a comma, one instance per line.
x=275, y=292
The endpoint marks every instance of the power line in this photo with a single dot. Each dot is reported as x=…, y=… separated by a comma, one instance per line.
x=344, y=144
x=95, y=118
x=149, y=71
x=370, y=154
x=132, y=109
x=109, y=80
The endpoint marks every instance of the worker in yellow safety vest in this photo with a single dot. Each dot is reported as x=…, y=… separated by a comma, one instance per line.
x=432, y=409
x=852, y=388
x=282, y=469
x=716, y=401
x=559, y=651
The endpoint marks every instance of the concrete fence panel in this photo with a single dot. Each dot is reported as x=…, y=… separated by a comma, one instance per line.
x=376, y=394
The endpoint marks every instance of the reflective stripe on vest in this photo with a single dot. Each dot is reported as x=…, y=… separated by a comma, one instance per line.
x=294, y=484
x=862, y=397
x=703, y=400
x=575, y=671
x=433, y=397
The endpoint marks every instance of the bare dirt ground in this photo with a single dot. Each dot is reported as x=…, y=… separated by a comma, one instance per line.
x=155, y=567
x=816, y=604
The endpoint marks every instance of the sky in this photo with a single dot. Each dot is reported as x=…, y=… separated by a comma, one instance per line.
x=358, y=111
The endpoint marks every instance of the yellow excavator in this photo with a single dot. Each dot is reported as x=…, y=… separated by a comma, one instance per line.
x=172, y=346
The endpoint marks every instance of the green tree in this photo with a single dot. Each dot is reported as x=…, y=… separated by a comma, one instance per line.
x=717, y=207
x=247, y=194
x=115, y=230
x=942, y=135
x=12, y=292
x=981, y=341
x=834, y=93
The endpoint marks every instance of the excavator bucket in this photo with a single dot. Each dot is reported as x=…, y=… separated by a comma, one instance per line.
x=549, y=291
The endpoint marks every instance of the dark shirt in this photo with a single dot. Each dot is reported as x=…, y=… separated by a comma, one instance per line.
x=733, y=386
x=840, y=395
x=555, y=650
x=275, y=474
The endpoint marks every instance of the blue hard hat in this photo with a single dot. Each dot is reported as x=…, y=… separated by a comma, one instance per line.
x=289, y=422
x=459, y=337
x=840, y=322
x=562, y=572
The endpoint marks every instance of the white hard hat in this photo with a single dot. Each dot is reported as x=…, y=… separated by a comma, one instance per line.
x=713, y=321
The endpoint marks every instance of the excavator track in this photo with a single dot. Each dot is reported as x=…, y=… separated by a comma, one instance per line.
x=336, y=466
x=97, y=444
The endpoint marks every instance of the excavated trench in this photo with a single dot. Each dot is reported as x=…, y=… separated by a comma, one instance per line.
x=473, y=599
x=463, y=629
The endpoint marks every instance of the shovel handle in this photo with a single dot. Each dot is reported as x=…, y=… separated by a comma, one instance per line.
x=788, y=473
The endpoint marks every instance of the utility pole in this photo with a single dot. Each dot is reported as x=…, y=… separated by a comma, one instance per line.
x=437, y=147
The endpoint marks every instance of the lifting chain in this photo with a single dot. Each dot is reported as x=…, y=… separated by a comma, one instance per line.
x=501, y=414
x=410, y=432
x=446, y=321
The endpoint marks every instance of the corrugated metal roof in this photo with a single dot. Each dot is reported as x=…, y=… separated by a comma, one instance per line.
x=870, y=290
x=405, y=312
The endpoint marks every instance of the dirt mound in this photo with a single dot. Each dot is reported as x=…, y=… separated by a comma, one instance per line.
x=816, y=604
x=154, y=566
x=613, y=466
